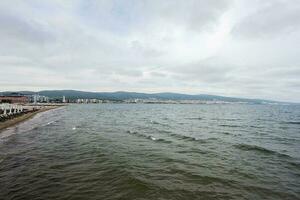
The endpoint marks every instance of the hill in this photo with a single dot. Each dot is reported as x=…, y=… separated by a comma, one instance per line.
x=75, y=94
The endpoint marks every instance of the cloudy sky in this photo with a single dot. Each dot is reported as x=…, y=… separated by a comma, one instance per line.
x=244, y=48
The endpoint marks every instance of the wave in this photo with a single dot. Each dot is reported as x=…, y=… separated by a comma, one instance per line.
x=295, y=165
x=154, y=122
x=164, y=131
x=150, y=137
x=159, y=139
x=231, y=119
x=225, y=119
x=194, y=118
x=51, y=122
x=183, y=137
x=158, y=123
x=231, y=126
x=132, y=132
x=256, y=126
x=190, y=138
x=225, y=133
x=248, y=147
x=291, y=122
x=193, y=150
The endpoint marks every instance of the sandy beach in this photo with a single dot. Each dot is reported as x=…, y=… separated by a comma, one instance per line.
x=24, y=117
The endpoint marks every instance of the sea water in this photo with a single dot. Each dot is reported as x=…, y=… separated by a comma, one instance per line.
x=153, y=151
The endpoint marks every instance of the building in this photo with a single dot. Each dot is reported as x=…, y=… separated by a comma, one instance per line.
x=39, y=99
x=14, y=99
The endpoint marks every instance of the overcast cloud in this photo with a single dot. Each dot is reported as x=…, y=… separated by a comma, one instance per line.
x=245, y=48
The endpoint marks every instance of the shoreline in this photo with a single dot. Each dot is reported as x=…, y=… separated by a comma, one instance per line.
x=24, y=117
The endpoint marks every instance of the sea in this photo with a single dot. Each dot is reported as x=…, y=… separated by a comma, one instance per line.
x=153, y=152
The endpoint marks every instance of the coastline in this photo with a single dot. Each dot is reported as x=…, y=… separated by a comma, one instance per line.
x=24, y=117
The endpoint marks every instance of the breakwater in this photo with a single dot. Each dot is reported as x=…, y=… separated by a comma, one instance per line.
x=8, y=111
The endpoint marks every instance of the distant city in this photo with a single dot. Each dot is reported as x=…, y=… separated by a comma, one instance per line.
x=78, y=97
x=36, y=98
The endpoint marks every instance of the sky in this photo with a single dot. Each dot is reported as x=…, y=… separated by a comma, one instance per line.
x=242, y=48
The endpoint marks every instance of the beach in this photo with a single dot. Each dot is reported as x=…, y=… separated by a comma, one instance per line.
x=18, y=119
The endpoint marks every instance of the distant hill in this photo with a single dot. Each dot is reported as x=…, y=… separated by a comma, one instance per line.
x=74, y=94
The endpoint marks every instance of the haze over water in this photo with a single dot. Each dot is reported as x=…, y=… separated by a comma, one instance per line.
x=140, y=151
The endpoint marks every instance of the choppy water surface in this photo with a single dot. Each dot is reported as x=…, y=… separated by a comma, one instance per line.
x=119, y=151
